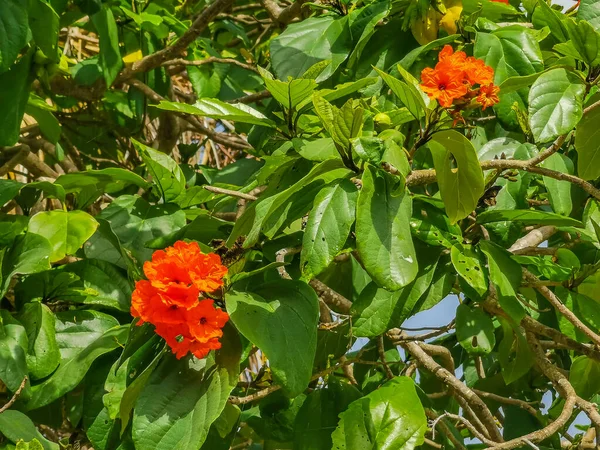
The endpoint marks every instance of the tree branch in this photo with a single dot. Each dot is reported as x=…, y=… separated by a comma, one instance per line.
x=15, y=396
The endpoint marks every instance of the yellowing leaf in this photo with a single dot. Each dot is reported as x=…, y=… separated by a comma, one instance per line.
x=453, y=11
x=426, y=28
x=133, y=57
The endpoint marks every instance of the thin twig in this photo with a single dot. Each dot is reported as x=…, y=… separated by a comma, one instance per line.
x=381, y=351
x=218, y=190
x=15, y=396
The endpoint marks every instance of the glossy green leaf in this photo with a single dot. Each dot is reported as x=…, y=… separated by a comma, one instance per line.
x=505, y=275
x=559, y=192
x=165, y=172
x=527, y=217
x=468, y=264
x=275, y=316
x=328, y=226
x=17, y=426
x=76, y=330
x=406, y=93
x=589, y=10
x=378, y=310
x=514, y=353
x=43, y=355
x=184, y=397
x=44, y=25
x=13, y=347
x=383, y=237
x=13, y=32
x=318, y=415
x=474, y=330
x=110, y=55
x=460, y=187
x=70, y=374
x=29, y=253
x=66, y=231
x=135, y=222
x=305, y=43
x=288, y=93
x=15, y=83
x=586, y=144
x=511, y=52
x=583, y=375
x=216, y=109
x=585, y=40
x=555, y=104
x=391, y=417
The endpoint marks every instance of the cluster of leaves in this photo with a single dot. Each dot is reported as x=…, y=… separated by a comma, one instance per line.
x=294, y=140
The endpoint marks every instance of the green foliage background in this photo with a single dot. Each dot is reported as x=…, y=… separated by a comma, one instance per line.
x=293, y=139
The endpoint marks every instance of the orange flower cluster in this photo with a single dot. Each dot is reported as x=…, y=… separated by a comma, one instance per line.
x=170, y=298
x=457, y=78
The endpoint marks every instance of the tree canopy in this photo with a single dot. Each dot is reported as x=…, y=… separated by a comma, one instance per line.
x=217, y=216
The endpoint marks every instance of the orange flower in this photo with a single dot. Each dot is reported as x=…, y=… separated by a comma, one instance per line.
x=501, y=1
x=476, y=72
x=447, y=54
x=169, y=299
x=205, y=322
x=182, y=266
x=488, y=95
x=443, y=84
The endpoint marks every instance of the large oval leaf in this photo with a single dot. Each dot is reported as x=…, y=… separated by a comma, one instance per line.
x=281, y=319
x=460, y=187
x=555, y=104
x=383, y=237
x=183, y=398
x=586, y=144
x=389, y=418
x=328, y=226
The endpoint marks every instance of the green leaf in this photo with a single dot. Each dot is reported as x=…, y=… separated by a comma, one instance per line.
x=318, y=415
x=305, y=43
x=44, y=25
x=391, y=417
x=514, y=353
x=383, y=237
x=506, y=275
x=511, y=52
x=70, y=374
x=9, y=190
x=43, y=355
x=586, y=144
x=462, y=187
x=468, y=265
x=527, y=217
x=543, y=15
x=585, y=40
x=49, y=125
x=13, y=33
x=76, y=330
x=15, y=84
x=216, y=109
x=135, y=222
x=589, y=10
x=108, y=181
x=328, y=226
x=29, y=253
x=317, y=150
x=288, y=93
x=583, y=375
x=108, y=32
x=377, y=310
x=406, y=93
x=276, y=316
x=183, y=398
x=559, y=192
x=17, y=426
x=66, y=231
x=474, y=330
x=13, y=345
x=166, y=173
x=555, y=104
